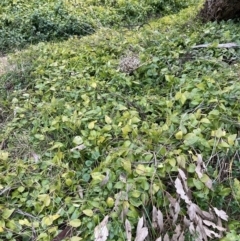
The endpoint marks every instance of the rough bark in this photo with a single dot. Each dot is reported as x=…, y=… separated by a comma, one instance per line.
x=217, y=10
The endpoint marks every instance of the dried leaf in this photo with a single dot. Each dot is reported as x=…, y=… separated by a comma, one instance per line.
x=157, y=219
x=198, y=168
x=36, y=157
x=176, y=233
x=207, y=215
x=200, y=229
x=191, y=228
x=186, y=222
x=192, y=211
x=172, y=204
x=199, y=211
x=221, y=214
x=203, y=214
x=128, y=230
x=101, y=230
x=175, y=217
x=182, y=174
x=171, y=211
x=177, y=207
x=184, y=178
x=180, y=190
x=181, y=237
x=209, y=223
x=171, y=199
x=219, y=223
x=166, y=237
x=117, y=200
x=80, y=191
x=199, y=233
x=105, y=179
x=174, y=207
x=142, y=232
x=211, y=233
x=209, y=183
x=123, y=178
x=154, y=217
x=78, y=148
x=160, y=220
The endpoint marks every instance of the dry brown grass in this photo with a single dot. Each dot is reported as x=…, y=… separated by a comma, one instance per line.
x=6, y=65
x=3, y=64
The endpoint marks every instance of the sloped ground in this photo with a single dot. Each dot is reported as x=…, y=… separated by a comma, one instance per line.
x=91, y=149
x=24, y=23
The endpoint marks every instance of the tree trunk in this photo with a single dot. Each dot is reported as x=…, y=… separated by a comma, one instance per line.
x=217, y=10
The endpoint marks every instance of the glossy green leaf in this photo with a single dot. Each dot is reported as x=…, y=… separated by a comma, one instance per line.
x=75, y=223
x=7, y=213
x=108, y=120
x=75, y=238
x=190, y=139
x=88, y=212
x=127, y=165
x=179, y=135
x=77, y=140
x=4, y=155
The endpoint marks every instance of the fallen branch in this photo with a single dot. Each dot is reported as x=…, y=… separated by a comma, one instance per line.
x=25, y=214
x=5, y=190
x=227, y=45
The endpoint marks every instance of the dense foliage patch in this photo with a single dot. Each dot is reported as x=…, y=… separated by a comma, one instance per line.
x=82, y=141
x=36, y=21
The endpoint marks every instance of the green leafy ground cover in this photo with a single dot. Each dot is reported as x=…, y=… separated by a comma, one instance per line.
x=82, y=141
x=29, y=22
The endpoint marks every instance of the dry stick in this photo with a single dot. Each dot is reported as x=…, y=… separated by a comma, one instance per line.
x=5, y=190
x=64, y=234
x=226, y=45
x=25, y=214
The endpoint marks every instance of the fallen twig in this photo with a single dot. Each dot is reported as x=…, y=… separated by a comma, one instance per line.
x=226, y=45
